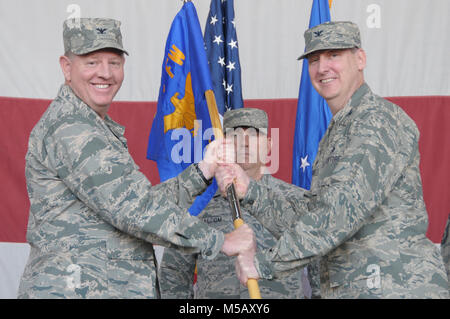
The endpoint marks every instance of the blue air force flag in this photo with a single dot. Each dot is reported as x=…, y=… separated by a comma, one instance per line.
x=180, y=127
x=313, y=114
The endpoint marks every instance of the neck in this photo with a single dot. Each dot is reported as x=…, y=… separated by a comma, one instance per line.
x=339, y=103
x=255, y=173
x=101, y=111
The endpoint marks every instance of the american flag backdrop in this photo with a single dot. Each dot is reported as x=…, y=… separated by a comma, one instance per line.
x=223, y=55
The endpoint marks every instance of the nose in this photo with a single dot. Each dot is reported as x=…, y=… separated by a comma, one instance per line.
x=104, y=70
x=246, y=139
x=323, y=66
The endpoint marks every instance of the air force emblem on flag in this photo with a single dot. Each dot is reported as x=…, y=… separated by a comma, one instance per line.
x=184, y=113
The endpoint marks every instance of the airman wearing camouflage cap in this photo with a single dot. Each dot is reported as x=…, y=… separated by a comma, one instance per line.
x=249, y=122
x=93, y=215
x=364, y=217
x=85, y=35
x=177, y=269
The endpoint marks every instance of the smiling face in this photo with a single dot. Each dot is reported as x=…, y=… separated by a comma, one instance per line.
x=337, y=74
x=95, y=77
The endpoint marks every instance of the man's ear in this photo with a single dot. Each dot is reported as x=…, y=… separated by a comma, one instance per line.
x=361, y=59
x=66, y=67
x=269, y=145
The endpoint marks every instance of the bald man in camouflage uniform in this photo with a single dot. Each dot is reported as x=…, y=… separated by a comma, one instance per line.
x=217, y=278
x=365, y=214
x=93, y=215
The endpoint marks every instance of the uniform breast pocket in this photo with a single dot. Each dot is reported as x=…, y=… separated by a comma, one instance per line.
x=131, y=268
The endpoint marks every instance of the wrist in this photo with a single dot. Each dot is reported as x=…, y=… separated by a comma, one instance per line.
x=225, y=246
x=204, y=171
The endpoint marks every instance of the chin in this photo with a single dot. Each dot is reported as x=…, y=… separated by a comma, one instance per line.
x=247, y=166
x=103, y=101
x=328, y=95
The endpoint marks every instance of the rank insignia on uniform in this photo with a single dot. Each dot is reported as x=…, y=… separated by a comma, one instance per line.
x=101, y=30
x=318, y=33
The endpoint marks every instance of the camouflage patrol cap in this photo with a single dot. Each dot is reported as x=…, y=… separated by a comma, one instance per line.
x=85, y=35
x=331, y=35
x=246, y=117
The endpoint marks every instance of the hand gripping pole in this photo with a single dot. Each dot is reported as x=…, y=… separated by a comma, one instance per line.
x=252, y=284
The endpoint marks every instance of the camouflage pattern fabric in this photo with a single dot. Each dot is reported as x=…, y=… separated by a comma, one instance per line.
x=331, y=35
x=243, y=117
x=314, y=278
x=364, y=215
x=85, y=35
x=94, y=216
x=445, y=248
x=217, y=278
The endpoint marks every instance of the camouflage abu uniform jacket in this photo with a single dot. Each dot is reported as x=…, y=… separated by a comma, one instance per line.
x=93, y=215
x=217, y=278
x=365, y=211
x=445, y=248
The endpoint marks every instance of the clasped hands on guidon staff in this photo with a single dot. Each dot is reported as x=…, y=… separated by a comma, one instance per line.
x=241, y=242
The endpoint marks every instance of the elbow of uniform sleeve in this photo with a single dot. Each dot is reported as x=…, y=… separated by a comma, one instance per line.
x=191, y=232
x=198, y=234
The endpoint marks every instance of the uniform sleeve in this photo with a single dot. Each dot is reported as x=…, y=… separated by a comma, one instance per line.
x=176, y=274
x=105, y=178
x=286, y=203
x=445, y=247
x=373, y=159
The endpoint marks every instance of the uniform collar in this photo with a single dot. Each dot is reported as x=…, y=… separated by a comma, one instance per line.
x=67, y=93
x=354, y=101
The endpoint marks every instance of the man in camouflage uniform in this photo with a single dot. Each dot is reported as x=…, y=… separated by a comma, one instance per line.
x=93, y=215
x=217, y=278
x=445, y=248
x=365, y=215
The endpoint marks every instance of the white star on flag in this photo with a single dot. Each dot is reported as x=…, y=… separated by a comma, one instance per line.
x=218, y=39
x=229, y=88
x=213, y=20
x=232, y=44
x=230, y=66
x=305, y=163
x=221, y=61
